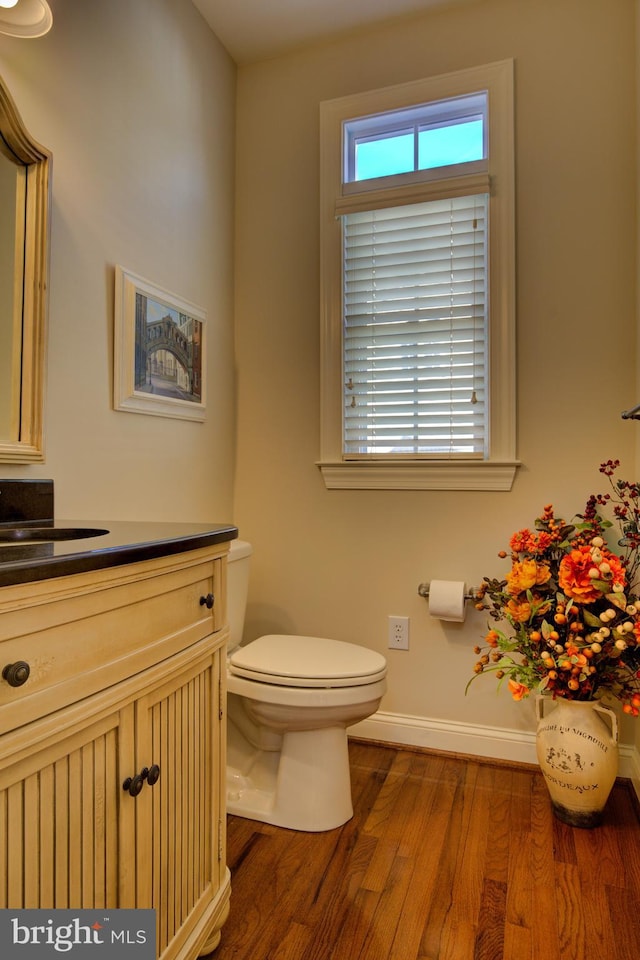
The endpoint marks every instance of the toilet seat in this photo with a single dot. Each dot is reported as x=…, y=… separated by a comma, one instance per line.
x=297, y=661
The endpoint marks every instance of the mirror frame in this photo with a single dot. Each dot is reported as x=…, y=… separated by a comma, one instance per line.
x=26, y=444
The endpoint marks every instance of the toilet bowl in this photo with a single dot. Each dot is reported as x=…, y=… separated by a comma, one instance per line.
x=290, y=700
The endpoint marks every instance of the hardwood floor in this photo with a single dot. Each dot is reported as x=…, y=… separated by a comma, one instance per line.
x=445, y=859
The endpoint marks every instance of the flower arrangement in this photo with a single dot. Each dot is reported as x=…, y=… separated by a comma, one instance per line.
x=571, y=605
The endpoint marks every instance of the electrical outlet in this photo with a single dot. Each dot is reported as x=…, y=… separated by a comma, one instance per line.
x=398, y=633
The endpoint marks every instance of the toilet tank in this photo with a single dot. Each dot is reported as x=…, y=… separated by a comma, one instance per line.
x=238, y=562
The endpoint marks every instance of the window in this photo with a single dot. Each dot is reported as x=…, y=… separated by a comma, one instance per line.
x=418, y=370
x=426, y=137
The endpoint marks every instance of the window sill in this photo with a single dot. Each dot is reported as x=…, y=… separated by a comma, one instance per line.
x=418, y=475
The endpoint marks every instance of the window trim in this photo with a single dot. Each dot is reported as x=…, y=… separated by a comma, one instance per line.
x=498, y=470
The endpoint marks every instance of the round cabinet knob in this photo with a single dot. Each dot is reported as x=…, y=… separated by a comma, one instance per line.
x=134, y=784
x=153, y=774
x=16, y=673
x=207, y=601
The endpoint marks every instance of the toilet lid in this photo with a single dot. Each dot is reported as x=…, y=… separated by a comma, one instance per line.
x=296, y=661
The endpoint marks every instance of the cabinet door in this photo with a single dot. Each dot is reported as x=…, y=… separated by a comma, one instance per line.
x=178, y=820
x=61, y=834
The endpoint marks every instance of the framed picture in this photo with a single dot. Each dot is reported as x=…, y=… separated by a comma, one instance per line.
x=159, y=358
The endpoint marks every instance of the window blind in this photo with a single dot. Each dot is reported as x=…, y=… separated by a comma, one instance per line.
x=415, y=329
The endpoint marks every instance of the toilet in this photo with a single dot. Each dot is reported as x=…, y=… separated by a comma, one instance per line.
x=290, y=700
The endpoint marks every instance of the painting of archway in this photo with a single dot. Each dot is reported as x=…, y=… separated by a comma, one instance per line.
x=159, y=351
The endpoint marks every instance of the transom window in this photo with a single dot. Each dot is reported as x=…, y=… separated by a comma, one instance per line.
x=420, y=138
x=417, y=309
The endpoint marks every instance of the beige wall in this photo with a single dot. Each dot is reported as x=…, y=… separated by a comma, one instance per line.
x=337, y=563
x=136, y=102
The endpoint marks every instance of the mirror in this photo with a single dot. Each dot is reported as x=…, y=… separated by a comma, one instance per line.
x=24, y=261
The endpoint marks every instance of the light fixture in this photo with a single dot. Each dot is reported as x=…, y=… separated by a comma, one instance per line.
x=25, y=18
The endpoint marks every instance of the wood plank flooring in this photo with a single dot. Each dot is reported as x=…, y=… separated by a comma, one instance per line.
x=446, y=858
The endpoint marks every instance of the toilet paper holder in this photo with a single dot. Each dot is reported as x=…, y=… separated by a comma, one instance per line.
x=423, y=590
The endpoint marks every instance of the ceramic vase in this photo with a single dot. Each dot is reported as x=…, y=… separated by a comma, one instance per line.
x=577, y=748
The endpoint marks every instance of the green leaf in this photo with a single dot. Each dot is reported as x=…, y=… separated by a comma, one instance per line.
x=590, y=620
x=566, y=531
x=546, y=629
x=602, y=585
x=618, y=600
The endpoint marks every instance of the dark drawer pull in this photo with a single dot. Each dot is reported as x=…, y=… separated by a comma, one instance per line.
x=133, y=785
x=207, y=601
x=16, y=673
x=153, y=774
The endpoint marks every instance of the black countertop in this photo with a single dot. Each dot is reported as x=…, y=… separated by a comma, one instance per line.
x=125, y=542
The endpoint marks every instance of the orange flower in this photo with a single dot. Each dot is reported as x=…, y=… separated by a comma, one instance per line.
x=524, y=541
x=520, y=611
x=544, y=541
x=492, y=638
x=526, y=574
x=574, y=574
x=518, y=690
x=521, y=541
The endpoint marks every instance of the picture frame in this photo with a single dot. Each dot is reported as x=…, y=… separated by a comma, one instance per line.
x=159, y=358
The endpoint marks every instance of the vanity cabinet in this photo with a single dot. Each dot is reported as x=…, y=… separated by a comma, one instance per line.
x=112, y=752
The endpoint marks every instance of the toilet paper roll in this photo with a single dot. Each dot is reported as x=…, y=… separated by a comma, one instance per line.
x=447, y=600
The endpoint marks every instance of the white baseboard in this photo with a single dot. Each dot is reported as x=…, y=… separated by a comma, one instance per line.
x=495, y=743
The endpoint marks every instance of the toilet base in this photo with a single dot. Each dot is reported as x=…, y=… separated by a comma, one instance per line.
x=306, y=785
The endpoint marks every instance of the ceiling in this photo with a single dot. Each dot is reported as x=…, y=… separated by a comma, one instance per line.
x=258, y=29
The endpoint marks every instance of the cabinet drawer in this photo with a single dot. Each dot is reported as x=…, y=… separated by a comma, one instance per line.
x=94, y=635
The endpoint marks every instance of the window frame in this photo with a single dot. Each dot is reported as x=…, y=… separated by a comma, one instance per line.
x=497, y=470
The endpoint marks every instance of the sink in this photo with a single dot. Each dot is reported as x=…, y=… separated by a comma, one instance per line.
x=26, y=534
